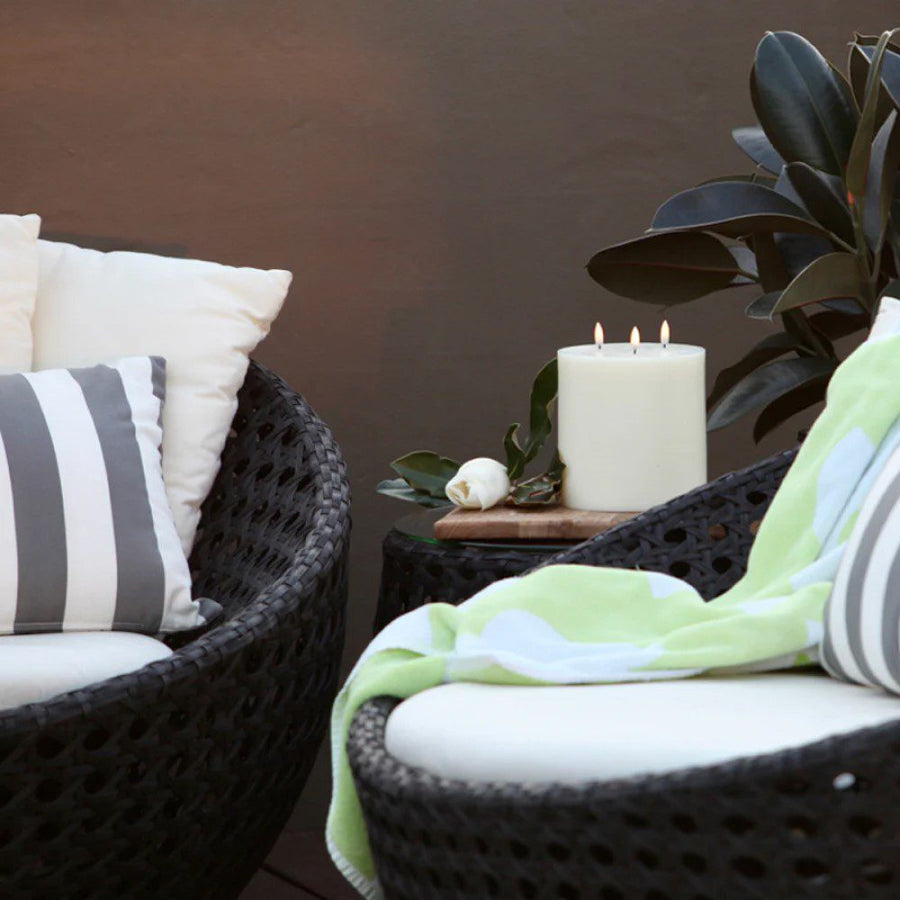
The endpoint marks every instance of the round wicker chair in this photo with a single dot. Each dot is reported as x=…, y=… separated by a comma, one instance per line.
x=819, y=821
x=173, y=781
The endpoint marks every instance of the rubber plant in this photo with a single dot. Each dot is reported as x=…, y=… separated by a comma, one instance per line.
x=422, y=475
x=815, y=227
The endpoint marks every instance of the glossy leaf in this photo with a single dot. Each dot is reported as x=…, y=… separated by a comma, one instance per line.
x=828, y=277
x=766, y=384
x=755, y=178
x=846, y=306
x=882, y=178
x=541, y=489
x=835, y=325
x=858, y=69
x=789, y=405
x=857, y=170
x=425, y=471
x=665, y=268
x=823, y=197
x=797, y=251
x=398, y=489
x=805, y=109
x=540, y=424
x=891, y=289
x=753, y=141
x=761, y=307
x=734, y=209
x=769, y=348
x=890, y=73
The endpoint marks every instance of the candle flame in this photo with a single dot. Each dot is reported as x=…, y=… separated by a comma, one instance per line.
x=635, y=339
x=664, y=333
x=598, y=335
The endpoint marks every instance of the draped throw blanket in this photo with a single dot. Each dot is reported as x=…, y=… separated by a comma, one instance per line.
x=580, y=624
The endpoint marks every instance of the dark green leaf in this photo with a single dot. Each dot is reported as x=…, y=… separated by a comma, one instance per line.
x=880, y=184
x=755, y=178
x=858, y=67
x=543, y=488
x=793, y=402
x=426, y=471
x=773, y=273
x=835, y=325
x=891, y=289
x=746, y=259
x=858, y=164
x=400, y=490
x=761, y=307
x=823, y=197
x=665, y=268
x=769, y=348
x=753, y=141
x=540, y=424
x=732, y=208
x=766, y=384
x=797, y=251
x=805, y=109
x=828, y=277
x=846, y=307
x=890, y=73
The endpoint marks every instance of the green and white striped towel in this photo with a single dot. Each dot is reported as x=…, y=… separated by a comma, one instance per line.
x=580, y=624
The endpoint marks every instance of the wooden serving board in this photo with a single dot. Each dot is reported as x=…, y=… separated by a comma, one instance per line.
x=537, y=523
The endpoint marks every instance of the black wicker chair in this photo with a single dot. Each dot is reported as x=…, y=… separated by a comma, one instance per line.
x=820, y=821
x=173, y=781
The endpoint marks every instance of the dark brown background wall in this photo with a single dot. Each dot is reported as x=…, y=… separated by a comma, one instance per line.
x=435, y=173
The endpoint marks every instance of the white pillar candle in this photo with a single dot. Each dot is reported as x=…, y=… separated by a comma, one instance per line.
x=632, y=423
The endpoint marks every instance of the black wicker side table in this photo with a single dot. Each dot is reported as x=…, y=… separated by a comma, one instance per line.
x=417, y=568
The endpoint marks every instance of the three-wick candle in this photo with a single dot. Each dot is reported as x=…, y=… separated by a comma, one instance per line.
x=632, y=422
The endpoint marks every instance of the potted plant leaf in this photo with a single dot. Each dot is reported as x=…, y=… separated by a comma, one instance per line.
x=815, y=226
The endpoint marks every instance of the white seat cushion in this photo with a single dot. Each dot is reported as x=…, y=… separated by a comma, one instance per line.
x=574, y=734
x=36, y=667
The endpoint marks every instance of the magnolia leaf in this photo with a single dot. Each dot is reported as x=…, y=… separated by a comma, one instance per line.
x=753, y=141
x=880, y=184
x=823, y=197
x=425, y=471
x=828, y=277
x=806, y=110
x=666, y=268
x=541, y=489
x=400, y=490
x=857, y=171
x=761, y=307
x=769, y=348
x=788, y=405
x=540, y=424
x=733, y=209
x=768, y=383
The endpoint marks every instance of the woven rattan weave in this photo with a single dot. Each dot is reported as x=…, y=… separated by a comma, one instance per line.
x=173, y=781
x=820, y=821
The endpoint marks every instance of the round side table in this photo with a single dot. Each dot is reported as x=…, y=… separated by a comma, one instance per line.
x=417, y=568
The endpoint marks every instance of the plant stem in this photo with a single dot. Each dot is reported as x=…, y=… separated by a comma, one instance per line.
x=862, y=254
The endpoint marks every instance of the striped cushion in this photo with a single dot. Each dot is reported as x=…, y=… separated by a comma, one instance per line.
x=862, y=618
x=87, y=540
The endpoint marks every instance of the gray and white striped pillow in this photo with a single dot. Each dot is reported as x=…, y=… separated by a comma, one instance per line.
x=862, y=618
x=87, y=540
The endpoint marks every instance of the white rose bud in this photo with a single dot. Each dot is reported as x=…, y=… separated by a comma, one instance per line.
x=479, y=484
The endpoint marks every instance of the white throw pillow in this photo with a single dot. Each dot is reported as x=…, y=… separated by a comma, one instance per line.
x=203, y=318
x=18, y=289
